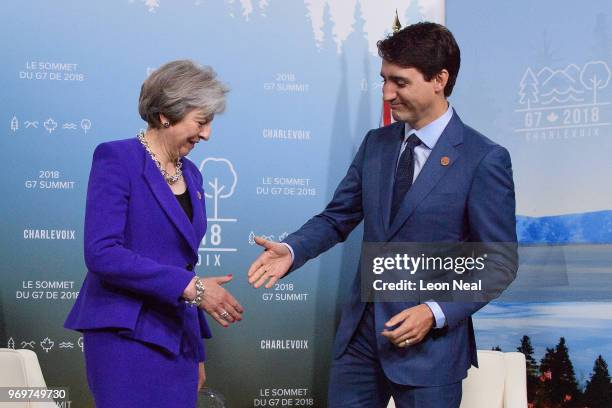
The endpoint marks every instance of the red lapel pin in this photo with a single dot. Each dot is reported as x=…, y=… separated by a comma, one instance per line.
x=445, y=161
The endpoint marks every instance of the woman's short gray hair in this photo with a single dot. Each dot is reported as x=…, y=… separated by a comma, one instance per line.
x=178, y=87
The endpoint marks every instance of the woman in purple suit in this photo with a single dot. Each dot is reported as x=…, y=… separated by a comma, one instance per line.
x=140, y=307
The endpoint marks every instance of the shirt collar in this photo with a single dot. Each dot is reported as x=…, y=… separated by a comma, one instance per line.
x=430, y=134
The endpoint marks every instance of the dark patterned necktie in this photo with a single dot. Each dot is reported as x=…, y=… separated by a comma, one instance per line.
x=404, y=174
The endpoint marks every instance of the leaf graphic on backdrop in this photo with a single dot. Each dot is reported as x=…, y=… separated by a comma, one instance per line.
x=47, y=344
x=50, y=125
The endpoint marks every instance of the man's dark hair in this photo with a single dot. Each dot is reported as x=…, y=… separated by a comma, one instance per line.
x=427, y=47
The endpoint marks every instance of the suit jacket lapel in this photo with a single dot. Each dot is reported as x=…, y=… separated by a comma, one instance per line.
x=389, y=155
x=431, y=173
x=168, y=202
x=197, y=203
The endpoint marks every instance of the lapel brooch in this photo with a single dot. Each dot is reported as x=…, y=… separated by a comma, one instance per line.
x=199, y=195
x=445, y=161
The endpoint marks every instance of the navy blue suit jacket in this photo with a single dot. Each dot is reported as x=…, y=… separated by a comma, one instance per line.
x=470, y=199
x=140, y=250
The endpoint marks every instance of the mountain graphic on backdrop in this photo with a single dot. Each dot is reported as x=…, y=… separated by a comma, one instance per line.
x=561, y=85
x=583, y=228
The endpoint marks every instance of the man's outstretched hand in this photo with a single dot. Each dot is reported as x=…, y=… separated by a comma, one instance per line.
x=271, y=265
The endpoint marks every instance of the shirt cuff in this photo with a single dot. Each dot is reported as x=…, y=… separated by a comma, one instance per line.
x=438, y=314
x=290, y=250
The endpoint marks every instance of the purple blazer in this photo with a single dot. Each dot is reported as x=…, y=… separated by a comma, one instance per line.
x=140, y=250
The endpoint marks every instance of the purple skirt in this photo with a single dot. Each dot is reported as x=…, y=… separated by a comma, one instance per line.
x=123, y=372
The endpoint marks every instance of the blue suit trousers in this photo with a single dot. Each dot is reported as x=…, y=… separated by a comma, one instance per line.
x=357, y=379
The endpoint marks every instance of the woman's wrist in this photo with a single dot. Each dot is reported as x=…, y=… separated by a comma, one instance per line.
x=198, y=297
x=190, y=290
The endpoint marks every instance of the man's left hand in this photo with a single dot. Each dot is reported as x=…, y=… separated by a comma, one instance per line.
x=414, y=324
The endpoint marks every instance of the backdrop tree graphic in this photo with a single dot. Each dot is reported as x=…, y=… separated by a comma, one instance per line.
x=600, y=30
x=85, y=125
x=546, y=55
x=328, y=42
x=558, y=385
x=220, y=181
x=532, y=367
x=595, y=75
x=152, y=5
x=414, y=13
x=598, y=392
x=529, y=88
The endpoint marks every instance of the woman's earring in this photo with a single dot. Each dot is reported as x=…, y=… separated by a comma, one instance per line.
x=166, y=124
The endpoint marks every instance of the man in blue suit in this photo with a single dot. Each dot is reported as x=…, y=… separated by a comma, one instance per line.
x=427, y=178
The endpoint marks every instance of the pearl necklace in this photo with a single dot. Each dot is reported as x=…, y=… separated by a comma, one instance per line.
x=178, y=164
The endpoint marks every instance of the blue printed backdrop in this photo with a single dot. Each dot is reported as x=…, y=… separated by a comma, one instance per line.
x=536, y=77
x=305, y=89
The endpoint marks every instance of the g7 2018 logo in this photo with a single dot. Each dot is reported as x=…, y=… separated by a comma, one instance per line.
x=564, y=103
